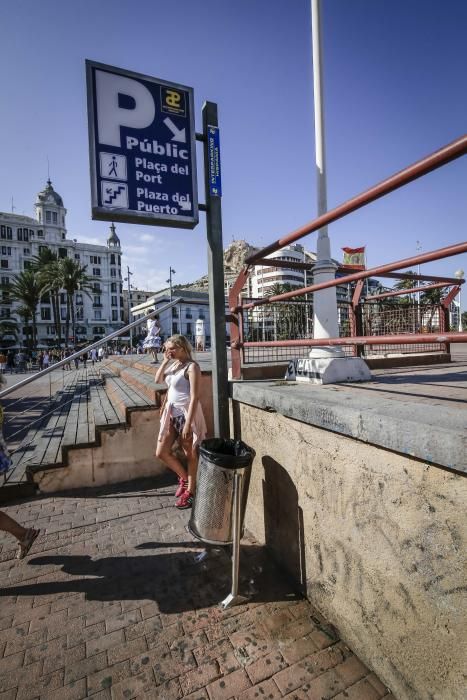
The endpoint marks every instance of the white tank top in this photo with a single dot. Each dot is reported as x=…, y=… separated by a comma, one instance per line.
x=178, y=395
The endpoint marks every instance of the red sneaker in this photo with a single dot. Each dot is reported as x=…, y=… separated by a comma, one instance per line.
x=182, y=486
x=185, y=500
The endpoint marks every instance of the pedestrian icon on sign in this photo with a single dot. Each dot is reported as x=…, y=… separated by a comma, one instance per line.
x=113, y=166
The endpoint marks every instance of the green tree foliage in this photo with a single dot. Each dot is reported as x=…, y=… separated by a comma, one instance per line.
x=26, y=288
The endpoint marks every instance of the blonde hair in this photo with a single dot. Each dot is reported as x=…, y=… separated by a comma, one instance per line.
x=181, y=342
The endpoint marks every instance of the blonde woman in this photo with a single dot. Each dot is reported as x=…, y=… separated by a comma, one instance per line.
x=182, y=418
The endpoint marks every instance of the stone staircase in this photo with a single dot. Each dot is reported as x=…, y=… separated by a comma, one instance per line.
x=100, y=428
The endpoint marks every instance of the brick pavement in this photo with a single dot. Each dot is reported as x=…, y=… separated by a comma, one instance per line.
x=112, y=604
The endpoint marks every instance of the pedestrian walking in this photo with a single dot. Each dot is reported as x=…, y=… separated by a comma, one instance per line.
x=93, y=356
x=45, y=360
x=25, y=536
x=182, y=417
x=84, y=357
x=100, y=353
x=152, y=341
x=2, y=362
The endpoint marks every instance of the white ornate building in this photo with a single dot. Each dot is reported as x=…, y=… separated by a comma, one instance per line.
x=23, y=237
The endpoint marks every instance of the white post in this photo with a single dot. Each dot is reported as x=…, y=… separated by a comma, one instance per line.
x=325, y=323
x=459, y=274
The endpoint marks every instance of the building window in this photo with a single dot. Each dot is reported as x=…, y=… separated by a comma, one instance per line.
x=62, y=313
x=113, y=287
x=6, y=250
x=201, y=314
x=26, y=251
x=121, y=301
x=62, y=253
x=5, y=281
x=62, y=298
x=5, y=313
x=95, y=259
x=54, y=217
x=4, y=264
x=188, y=328
x=121, y=315
x=112, y=258
x=174, y=312
x=114, y=315
x=48, y=217
x=96, y=301
x=46, y=313
x=79, y=300
x=175, y=327
x=113, y=272
x=96, y=271
x=97, y=315
x=6, y=233
x=77, y=256
x=96, y=288
x=114, y=301
x=40, y=233
x=63, y=235
x=188, y=314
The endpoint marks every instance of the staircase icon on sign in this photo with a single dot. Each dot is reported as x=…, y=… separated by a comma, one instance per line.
x=114, y=195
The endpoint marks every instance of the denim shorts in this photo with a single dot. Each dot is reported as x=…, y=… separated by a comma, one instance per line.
x=178, y=423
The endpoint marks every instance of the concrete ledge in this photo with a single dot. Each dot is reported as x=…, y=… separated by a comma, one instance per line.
x=434, y=434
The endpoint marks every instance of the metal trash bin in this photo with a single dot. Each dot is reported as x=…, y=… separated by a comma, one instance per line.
x=212, y=513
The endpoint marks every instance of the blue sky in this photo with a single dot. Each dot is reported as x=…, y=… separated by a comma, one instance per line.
x=394, y=92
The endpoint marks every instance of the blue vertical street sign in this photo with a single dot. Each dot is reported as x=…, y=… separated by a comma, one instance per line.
x=214, y=162
x=142, y=148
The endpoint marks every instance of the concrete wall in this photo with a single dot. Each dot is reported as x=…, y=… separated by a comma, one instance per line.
x=376, y=540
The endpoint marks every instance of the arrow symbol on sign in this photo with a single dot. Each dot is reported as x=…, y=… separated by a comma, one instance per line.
x=185, y=204
x=178, y=134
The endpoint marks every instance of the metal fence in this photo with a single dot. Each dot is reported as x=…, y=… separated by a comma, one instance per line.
x=378, y=319
x=293, y=320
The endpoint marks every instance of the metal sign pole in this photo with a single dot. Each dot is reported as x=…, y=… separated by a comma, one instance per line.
x=216, y=279
x=234, y=598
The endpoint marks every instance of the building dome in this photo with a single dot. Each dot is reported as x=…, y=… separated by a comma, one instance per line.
x=113, y=240
x=48, y=195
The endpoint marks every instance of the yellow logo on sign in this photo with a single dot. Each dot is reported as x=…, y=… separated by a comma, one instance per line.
x=173, y=98
x=173, y=101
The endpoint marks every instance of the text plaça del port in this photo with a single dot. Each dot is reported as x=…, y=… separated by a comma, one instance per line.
x=150, y=172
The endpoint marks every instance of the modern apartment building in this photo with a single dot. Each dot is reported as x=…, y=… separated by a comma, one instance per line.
x=98, y=312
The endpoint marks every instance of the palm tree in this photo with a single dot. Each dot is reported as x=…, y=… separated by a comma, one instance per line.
x=48, y=266
x=27, y=289
x=72, y=278
x=431, y=298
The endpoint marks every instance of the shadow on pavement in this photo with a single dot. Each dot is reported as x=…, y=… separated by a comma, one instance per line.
x=178, y=581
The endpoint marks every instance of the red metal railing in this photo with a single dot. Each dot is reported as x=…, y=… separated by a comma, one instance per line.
x=420, y=168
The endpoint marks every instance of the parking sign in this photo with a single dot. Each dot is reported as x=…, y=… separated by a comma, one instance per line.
x=142, y=148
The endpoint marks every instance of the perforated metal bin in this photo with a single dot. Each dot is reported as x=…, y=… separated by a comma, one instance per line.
x=212, y=513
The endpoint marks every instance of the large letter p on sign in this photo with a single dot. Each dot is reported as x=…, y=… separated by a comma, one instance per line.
x=110, y=116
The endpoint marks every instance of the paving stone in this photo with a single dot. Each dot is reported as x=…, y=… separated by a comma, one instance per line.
x=102, y=643
x=131, y=615
x=267, y=690
x=107, y=677
x=229, y=686
x=199, y=677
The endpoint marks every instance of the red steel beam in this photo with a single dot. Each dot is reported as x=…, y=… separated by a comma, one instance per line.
x=422, y=278
x=414, y=290
x=412, y=172
x=401, y=339
x=373, y=272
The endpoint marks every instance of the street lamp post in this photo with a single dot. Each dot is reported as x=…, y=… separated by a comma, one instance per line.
x=459, y=274
x=169, y=282
x=128, y=279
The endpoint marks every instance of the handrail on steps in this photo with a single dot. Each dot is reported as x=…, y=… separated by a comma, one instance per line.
x=77, y=354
